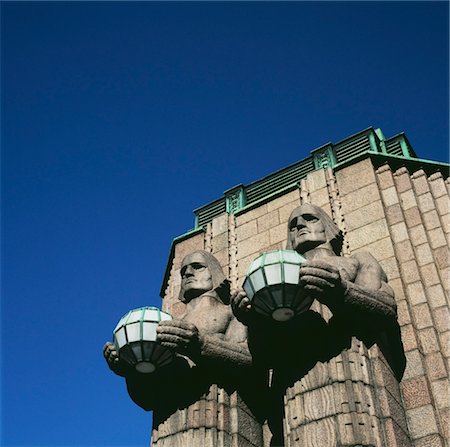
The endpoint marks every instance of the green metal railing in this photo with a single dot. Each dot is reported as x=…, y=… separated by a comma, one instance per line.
x=369, y=141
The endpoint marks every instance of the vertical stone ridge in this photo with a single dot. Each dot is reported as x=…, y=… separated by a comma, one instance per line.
x=410, y=195
x=208, y=238
x=232, y=251
x=336, y=208
x=304, y=192
x=393, y=210
x=433, y=224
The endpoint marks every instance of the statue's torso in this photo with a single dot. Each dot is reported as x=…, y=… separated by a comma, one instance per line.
x=211, y=316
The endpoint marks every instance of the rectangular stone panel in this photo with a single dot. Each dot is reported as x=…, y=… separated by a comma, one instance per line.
x=251, y=214
x=380, y=250
x=414, y=365
x=402, y=180
x=408, y=337
x=440, y=389
x=292, y=196
x=428, y=340
x=253, y=245
x=316, y=180
x=220, y=224
x=366, y=235
x=390, y=196
x=384, y=176
x=269, y=220
x=354, y=177
x=421, y=421
x=435, y=366
x=415, y=392
x=394, y=214
x=364, y=215
x=246, y=230
x=319, y=197
x=359, y=198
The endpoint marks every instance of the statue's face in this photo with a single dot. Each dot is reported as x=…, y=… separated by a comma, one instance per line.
x=195, y=276
x=306, y=230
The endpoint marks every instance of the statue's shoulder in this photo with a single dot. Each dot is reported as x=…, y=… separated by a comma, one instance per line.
x=367, y=262
x=365, y=258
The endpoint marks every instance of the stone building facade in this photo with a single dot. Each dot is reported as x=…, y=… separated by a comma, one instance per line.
x=390, y=203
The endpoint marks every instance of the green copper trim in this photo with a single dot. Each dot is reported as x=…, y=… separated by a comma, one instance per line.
x=324, y=157
x=268, y=198
x=276, y=184
x=362, y=144
x=235, y=199
x=380, y=135
x=373, y=142
x=405, y=148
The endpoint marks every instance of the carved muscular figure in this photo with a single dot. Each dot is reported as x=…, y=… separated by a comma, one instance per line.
x=209, y=342
x=209, y=332
x=354, y=288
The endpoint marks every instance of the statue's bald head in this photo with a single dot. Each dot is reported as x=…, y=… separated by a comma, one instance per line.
x=310, y=226
x=200, y=273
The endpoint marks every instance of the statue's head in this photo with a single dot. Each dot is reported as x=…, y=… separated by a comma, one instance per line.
x=201, y=273
x=309, y=227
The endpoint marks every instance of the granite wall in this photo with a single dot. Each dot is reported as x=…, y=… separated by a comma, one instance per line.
x=402, y=218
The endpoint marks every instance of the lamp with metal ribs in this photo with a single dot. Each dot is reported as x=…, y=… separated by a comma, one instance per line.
x=272, y=285
x=135, y=339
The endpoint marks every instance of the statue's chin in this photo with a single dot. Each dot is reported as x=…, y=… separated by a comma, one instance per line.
x=304, y=246
x=191, y=294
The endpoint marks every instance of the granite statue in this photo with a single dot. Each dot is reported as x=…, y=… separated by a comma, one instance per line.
x=212, y=373
x=356, y=293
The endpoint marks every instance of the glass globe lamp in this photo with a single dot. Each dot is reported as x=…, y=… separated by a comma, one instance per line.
x=272, y=285
x=135, y=339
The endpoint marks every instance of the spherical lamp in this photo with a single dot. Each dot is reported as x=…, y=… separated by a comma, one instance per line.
x=272, y=285
x=135, y=339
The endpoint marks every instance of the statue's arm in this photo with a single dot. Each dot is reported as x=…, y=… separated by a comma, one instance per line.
x=232, y=349
x=369, y=308
x=227, y=347
x=369, y=293
x=366, y=292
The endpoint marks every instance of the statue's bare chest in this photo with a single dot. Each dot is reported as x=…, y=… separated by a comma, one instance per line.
x=209, y=315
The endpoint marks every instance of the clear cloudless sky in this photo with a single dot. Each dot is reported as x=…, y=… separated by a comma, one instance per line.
x=118, y=119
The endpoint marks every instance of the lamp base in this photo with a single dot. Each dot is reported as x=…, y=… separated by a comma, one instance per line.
x=145, y=367
x=283, y=314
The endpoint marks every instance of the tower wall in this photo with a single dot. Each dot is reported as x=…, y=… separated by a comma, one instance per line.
x=402, y=218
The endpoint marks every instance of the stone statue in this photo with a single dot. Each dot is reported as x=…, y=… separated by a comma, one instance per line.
x=353, y=288
x=212, y=374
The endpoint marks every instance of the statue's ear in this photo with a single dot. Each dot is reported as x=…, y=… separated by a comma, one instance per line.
x=224, y=291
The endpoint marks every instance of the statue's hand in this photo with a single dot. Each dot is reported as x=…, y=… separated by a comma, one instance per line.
x=322, y=281
x=179, y=336
x=116, y=365
x=240, y=304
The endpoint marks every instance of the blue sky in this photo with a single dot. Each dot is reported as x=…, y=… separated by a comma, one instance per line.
x=118, y=119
